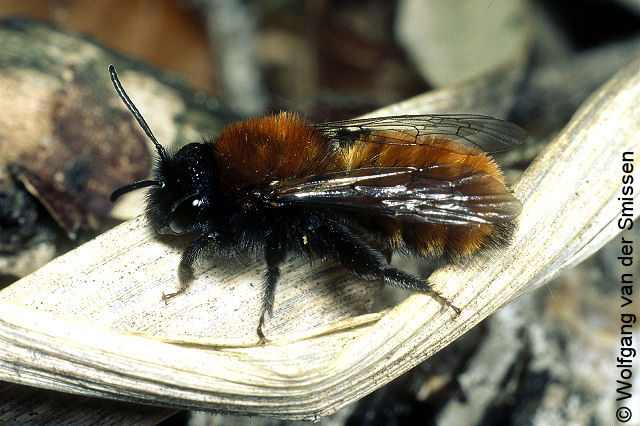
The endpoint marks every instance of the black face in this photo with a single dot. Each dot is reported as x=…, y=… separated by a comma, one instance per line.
x=180, y=204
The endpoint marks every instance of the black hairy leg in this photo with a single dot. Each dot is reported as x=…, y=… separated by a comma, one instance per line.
x=401, y=279
x=274, y=255
x=362, y=260
x=185, y=269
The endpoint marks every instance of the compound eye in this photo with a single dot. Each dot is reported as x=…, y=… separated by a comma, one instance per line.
x=184, y=215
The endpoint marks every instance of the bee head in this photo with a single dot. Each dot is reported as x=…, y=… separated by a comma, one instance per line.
x=178, y=204
x=182, y=185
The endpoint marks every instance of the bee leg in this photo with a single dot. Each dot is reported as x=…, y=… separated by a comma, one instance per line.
x=185, y=269
x=387, y=253
x=399, y=278
x=365, y=262
x=273, y=254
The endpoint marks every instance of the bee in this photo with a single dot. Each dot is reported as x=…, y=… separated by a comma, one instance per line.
x=353, y=191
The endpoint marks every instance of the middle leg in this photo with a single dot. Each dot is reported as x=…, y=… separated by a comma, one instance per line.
x=274, y=255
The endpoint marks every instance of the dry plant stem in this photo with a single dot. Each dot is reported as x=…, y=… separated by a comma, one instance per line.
x=52, y=336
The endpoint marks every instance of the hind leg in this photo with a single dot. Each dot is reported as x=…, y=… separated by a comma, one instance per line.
x=365, y=262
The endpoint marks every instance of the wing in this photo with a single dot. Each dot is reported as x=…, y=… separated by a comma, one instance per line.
x=487, y=133
x=449, y=194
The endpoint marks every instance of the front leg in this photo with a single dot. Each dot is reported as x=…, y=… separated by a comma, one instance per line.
x=274, y=255
x=185, y=269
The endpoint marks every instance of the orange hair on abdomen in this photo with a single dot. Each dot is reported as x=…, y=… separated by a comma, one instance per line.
x=426, y=239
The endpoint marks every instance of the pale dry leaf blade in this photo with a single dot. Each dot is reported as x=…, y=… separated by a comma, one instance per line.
x=70, y=344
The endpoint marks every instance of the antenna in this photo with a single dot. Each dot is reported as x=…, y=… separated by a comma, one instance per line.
x=133, y=186
x=127, y=101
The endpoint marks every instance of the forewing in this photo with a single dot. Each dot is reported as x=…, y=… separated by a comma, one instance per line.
x=448, y=194
x=487, y=133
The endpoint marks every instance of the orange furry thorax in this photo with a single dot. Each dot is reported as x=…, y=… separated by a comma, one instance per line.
x=271, y=148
